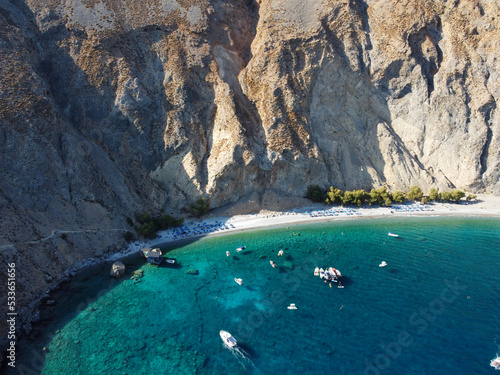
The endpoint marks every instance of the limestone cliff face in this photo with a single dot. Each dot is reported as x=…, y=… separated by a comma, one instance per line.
x=112, y=107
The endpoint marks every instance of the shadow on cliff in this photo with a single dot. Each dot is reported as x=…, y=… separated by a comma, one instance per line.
x=353, y=122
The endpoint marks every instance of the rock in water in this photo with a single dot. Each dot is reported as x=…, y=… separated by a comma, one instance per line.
x=117, y=269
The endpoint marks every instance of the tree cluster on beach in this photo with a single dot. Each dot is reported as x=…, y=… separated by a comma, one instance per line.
x=381, y=196
x=150, y=225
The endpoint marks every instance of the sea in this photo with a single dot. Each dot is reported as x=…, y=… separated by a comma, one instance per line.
x=434, y=309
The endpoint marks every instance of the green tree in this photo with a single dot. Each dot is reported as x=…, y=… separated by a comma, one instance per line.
x=425, y=200
x=147, y=230
x=398, y=197
x=334, y=195
x=348, y=197
x=360, y=197
x=380, y=196
x=315, y=193
x=445, y=196
x=166, y=222
x=471, y=197
x=415, y=193
x=199, y=208
x=434, y=194
x=144, y=217
x=456, y=195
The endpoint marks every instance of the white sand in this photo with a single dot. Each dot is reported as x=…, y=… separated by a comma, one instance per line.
x=486, y=205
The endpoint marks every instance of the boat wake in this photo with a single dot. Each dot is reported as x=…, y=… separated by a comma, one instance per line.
x=243, y=358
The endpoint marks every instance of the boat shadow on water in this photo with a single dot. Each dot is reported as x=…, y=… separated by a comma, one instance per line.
x=346, y=281
x=244, y=355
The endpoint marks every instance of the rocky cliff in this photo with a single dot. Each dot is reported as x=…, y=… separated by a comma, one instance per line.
x=112, y=107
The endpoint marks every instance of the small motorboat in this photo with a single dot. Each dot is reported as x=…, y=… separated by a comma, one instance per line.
x=383, y=264
x=316, y=271
x=280, y=253
x=241, y=248
x=393, y=234
x=336, y=272
x=495, y=362
x=229, y=340
x=292, y=307
x=273, y=264
x=228, y=253
x=170, y=260
x=238, y=281
x=322, y=273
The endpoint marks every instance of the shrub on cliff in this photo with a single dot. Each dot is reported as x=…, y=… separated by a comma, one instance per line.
x=315, y=193
x=199, y=208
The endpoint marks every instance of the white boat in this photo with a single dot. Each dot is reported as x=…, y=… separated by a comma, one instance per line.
x=495, y=363
x=273, y=264
x=238, y=281
x=383, y=264
x=241, y=248
x=228, y=253
x=229, y=340
x=393, y=234
x=337, y=272
x=316, y=271
x=292, y=307
x=322, y=273
x=280, y=253
x=340, y=287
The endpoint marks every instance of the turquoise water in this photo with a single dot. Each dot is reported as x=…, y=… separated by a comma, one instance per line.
x=433, y=310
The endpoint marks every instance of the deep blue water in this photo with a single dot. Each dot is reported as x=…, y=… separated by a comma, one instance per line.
x=433, y=310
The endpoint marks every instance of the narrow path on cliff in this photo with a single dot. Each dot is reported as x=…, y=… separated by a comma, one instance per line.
x=56, y=232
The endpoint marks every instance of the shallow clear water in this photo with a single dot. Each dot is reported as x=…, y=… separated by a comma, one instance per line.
x=433, y=310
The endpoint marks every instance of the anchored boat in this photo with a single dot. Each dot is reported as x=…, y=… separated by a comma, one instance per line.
x=495, y=362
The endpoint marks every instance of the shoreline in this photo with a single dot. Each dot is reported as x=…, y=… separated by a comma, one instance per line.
x=192, y=230
x=485, y=206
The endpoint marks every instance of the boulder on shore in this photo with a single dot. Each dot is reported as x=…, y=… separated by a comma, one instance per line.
x=117, y=269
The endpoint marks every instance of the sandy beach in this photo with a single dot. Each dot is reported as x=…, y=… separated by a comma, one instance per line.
x=485, y=205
